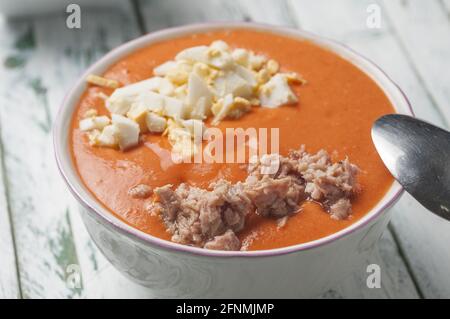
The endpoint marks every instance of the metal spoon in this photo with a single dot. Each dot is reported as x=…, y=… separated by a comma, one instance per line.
x=418, y=155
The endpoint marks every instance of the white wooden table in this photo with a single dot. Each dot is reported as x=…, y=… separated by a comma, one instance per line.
x=41, y=233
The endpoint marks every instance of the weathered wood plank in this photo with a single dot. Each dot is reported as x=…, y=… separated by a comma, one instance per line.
x=395, y=279
x=40, y=205
x=345, y=21
x=42, y=232
x=9, y=283
x=423, y=238
x=100, y=278
x=416, y=230
x=278, y=12
x=446, y=5
x=162, y=14
x=268, y=11
x=423, y=28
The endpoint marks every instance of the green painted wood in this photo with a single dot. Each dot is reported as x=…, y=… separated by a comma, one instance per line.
x=9, y=283
x=41, y=58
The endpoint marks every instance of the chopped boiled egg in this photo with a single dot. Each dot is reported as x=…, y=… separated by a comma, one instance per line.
x=180, y=92
x=276, y=92
x=294, y=78
x=199, y=97
x=195, y=127
x=127, y=131
x=193, y=54
x=174, y=108
x=232, y=83
x=121, y=99
x=177, y=76
x=90, y=113
x=166, y=87
x=272, y=67
x=219, y=59
x=209, y=55
x=155, y=123
x=230, y=107
x=246, y=74
x=240, y=56
x=163, y=69
x=219, y=45
x=256, y=62
x=108, y=137
x=138, y=113
x=182, y=144
x=94, y=123
x=101, y=81
x=200, y=82
x=152, y=101
x=93, y=136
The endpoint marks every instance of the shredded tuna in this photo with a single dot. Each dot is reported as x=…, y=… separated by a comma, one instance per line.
x=196, y=216
x=281, y=222
x=227, y=241
x=324, y=182
x=276, y=187
x=341, y=209
x=275, y=197
x=140, y=191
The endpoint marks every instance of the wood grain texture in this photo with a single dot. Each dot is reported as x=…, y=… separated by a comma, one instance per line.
x=42, y=58
x=9, y=282
x=395, y=279
x=268, y=11
x=420, y=235
x=345, y=21
x=423, y=28
x=162, y=14
x=100, y=278
x=24, y=109
x=397, y=283
x=446, y=6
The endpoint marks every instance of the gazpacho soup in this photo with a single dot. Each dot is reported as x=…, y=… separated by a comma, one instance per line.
x=232, y=140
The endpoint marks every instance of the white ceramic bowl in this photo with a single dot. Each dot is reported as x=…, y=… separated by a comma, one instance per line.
x=174, y=270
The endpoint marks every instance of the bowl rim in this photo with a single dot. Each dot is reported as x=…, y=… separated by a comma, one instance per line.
x=84, y=197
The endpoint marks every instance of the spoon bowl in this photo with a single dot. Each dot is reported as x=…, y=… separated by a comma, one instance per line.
x=418, y=155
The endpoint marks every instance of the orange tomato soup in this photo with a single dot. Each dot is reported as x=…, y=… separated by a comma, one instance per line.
x=335, y=112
